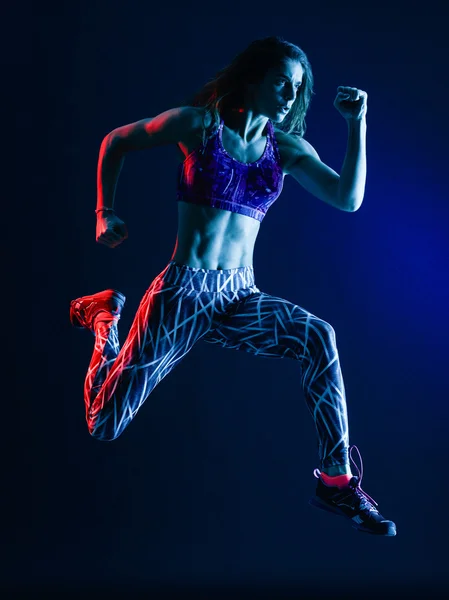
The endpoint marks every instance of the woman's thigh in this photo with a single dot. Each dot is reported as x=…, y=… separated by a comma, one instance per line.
x=166, y=326
x=268, y=326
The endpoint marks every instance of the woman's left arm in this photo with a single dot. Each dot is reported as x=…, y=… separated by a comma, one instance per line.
x=344, y=191
x=352, y=104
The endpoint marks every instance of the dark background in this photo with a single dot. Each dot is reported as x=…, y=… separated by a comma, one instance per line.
x=206, y=493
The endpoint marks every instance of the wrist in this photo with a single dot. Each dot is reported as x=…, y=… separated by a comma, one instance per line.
x=356, y=122
x=104, y=209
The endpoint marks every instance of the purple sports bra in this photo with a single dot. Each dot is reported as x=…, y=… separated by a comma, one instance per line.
x=209, y=176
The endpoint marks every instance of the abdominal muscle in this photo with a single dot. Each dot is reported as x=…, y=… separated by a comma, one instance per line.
x=211, y=238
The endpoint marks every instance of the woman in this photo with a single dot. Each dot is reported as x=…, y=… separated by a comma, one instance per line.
x=240, y=135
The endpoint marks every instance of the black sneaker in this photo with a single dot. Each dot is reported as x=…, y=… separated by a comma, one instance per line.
x=353, y=503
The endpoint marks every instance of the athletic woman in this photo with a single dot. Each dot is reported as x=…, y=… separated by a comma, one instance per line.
x=240, y=135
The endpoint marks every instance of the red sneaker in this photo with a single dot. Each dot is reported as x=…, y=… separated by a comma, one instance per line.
x=83, y=310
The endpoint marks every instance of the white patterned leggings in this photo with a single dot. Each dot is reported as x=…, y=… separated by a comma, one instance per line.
x=184, y=305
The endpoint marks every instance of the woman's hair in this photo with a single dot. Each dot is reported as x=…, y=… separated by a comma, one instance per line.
x=226, y=90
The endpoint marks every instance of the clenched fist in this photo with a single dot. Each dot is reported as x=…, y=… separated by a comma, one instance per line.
x=110, y=230
x=351, y=102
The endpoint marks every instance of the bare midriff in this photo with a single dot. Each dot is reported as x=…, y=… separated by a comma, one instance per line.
x=211, y=238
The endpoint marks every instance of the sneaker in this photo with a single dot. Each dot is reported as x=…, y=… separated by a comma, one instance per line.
x=353, y=503
x=83, y=310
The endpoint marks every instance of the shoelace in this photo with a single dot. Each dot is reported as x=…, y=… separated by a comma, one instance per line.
x=358, y=490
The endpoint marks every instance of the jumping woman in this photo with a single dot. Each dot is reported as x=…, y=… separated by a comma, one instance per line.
x=239, y=135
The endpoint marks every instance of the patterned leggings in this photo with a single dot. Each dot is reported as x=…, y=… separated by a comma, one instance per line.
x=184, y=305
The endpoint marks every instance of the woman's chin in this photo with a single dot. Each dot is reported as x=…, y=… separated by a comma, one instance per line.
x=278, y=117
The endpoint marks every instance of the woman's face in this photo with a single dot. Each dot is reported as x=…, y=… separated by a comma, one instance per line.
x=274, y=95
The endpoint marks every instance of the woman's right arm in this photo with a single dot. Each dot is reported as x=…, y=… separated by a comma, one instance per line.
x=169, y=127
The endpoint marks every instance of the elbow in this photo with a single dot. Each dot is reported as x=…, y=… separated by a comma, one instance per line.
x=354, y=206
x=109, y=141
x=349, y=200
x=351, y=204
x=111, y=144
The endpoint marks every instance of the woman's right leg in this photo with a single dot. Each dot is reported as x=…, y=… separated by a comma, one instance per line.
x=166, y=326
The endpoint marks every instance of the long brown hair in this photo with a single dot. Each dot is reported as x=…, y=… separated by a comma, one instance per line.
x=226, y=89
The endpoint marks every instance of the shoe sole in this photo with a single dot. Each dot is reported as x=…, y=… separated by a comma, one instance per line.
x=317, y=503
x=117, y=296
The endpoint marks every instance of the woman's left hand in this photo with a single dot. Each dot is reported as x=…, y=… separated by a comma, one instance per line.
x=351, y=102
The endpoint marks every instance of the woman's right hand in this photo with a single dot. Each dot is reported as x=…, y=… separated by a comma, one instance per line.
x=110, y=230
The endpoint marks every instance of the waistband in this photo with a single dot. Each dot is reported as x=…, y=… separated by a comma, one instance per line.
x=209, y=280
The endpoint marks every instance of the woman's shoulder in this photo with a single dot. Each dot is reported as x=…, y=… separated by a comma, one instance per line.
x=196, y=123
x=291, y=147
x=196, y=117
x=289, y=141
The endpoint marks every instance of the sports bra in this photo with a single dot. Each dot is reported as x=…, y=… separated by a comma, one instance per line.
x=209, y=176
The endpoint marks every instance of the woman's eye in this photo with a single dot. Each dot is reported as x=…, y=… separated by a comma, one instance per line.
x=283, y=81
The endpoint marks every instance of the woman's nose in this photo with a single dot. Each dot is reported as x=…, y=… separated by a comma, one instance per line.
x=289, y=93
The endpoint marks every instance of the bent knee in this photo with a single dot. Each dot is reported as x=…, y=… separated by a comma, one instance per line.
x=104, y=435
x=323, y=331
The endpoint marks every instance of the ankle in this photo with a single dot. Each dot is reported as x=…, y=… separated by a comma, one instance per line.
x=339, y=481
x=336, y=470
x=104, y=317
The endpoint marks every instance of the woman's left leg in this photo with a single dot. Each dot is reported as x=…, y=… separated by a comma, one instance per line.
x=268, y=326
